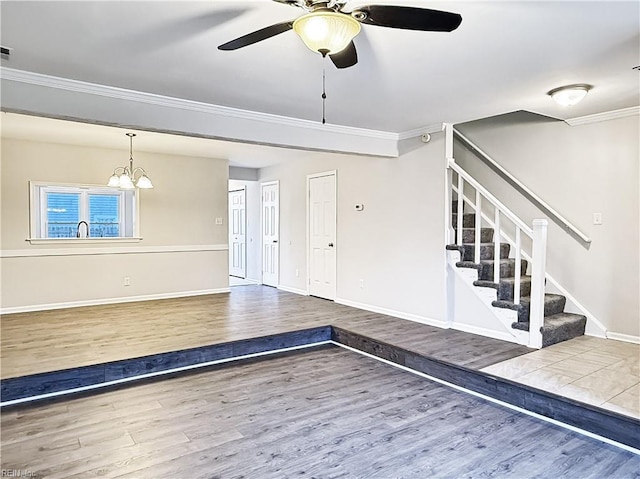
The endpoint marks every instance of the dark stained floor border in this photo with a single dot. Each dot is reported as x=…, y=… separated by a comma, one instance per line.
x=616, y=427
x=608, y=424
x=45, y=385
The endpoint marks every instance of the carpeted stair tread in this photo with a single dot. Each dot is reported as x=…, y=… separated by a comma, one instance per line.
x=558, y=327
x=485, y=267
x=553, y=304
x=468, y=220
x=469, y=235
x=467, y=250
x=506, y=287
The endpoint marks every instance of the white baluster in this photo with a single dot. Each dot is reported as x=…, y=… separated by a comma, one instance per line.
x=518, y=273
x=460, y=207
x=448, y=206
x=496, y=246
x=478, y=228
x=538, y=260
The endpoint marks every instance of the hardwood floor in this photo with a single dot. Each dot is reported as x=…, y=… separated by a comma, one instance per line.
x=60, y=339
x=326, y=413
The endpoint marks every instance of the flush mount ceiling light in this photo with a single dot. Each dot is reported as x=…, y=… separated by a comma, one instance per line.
x=326, y=31
x=125, y=176
x=569, y=95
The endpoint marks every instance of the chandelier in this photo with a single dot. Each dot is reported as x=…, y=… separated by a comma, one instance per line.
x=125, y=176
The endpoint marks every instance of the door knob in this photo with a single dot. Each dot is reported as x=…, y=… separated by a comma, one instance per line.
x=275, y=241
x=330, y=245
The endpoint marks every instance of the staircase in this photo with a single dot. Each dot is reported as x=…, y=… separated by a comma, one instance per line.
x=510, y=294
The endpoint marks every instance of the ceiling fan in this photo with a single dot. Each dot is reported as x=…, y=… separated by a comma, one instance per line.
x=329, y=30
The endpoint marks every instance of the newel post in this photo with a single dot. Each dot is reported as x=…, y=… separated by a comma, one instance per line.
x=538, y=266
x=448, y=200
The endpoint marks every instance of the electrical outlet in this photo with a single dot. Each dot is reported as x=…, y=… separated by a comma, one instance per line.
x=597, y=218
x=218, y=221
x=126, y=281
x=362, y=283
x=297, y=272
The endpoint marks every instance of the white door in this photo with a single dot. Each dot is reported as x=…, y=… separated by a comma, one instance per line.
x=322, y=235
x=237, y=234
x=270, y=233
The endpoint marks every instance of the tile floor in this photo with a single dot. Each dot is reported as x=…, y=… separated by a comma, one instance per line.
x=595, y=371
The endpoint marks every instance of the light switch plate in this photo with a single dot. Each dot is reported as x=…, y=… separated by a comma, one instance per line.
x=597, y=218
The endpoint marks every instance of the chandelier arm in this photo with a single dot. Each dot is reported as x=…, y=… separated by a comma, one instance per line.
x=140, y=170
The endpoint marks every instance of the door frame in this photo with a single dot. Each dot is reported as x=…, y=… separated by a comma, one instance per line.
x=262, y=184
x=244, y=191
x=333, y=173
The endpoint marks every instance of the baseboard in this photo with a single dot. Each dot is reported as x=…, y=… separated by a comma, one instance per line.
x=489, y=333
x=623, y=337
x=290, y=289
x=390, y=312
x=98, y=302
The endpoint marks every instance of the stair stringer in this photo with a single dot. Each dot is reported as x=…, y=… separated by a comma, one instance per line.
x=504, y=317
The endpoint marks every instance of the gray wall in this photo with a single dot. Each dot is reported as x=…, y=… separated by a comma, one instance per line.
x=577, y=170
x=396, y=245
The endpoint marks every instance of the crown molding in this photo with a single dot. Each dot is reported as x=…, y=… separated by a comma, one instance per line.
x=604, y=116
x=435, y=128
x=78, y=86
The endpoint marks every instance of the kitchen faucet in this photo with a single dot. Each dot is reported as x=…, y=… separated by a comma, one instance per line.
x=78, y=229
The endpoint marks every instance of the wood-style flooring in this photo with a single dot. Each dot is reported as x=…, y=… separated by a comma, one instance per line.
x=45, y=341
x=323, y=413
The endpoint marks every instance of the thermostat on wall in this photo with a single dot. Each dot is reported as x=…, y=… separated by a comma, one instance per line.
x=359, y=207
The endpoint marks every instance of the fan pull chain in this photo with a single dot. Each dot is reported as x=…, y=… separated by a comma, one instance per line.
x=324, y=93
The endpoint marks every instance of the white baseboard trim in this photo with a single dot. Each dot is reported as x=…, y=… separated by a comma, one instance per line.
x=627, y=338
x=290, y=289
x=490, y=333
x=390, y=312
x=98, y=302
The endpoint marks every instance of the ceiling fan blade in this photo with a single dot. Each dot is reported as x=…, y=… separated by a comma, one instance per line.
x=345, y=58
x=408, y=18
x=257, y=36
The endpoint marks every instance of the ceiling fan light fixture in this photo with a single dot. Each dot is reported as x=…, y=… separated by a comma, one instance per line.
x=326, y=31
x=569, y=95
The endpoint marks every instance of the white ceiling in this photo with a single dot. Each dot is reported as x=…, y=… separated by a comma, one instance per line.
x=504, y=57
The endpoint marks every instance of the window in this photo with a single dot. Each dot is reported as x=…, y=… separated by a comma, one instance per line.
x=79, y=211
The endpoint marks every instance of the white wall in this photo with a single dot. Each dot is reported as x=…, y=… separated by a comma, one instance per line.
x=396, y=245
x=182, y=251
x=577, y=170
x=253, y=238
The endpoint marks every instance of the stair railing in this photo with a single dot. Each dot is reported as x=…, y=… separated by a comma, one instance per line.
x=537, y=235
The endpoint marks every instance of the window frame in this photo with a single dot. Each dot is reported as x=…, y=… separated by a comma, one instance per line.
x=38, y=211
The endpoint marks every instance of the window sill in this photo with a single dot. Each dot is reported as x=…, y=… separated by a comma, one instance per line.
x=82, y=240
